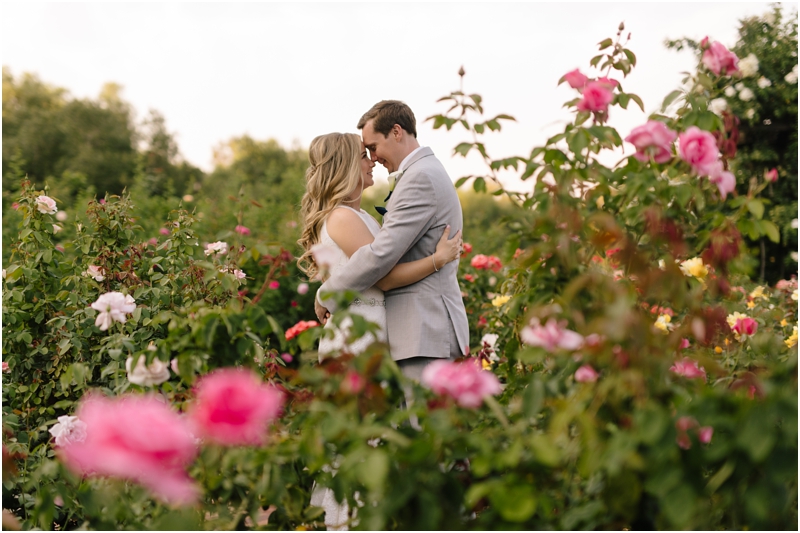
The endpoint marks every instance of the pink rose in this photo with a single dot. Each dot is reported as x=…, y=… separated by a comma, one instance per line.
x=353, y=383
x=274, y=285
x=15, y=206
x=551, y=337
x=234, y=407
x=484, y=262
x=153, y=241
x=745, y=326
x=772, y=175
x=596, y=97
x=725, y=181
x=138, y=438
x=575, y=79
x=652, y=139
x=5, y=366
x=287, y=358
x=608, y=82
x=684, y=343
x=586, y=374
x=699, y=149
x=242, y=230
x=465, y=382
x=300, y=327
x=720, y=60
x=705, y=433
x=302, y=288
x=163, y=231
x=688, y=369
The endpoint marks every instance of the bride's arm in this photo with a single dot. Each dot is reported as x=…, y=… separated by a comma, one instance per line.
x=350, y=233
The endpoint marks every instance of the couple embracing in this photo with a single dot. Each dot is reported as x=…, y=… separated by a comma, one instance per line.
x=406, y=269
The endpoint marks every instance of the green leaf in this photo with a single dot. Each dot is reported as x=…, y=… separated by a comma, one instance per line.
x=757, y=208
x=769, y=229
x=373, y=470
x=638, y=100
x=479, y=185
x=595, y=60
x=463, y=149
x=461, y=181
x=516, y=503
x=671, y=97
x=630, y=55
x=605, y=43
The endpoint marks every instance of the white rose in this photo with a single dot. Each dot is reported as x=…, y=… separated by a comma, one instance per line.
x=764, y=82
x=746, y=95
x=791, y=78
x=69, y=429
x=46, y=205
x=748, y=66
x=750, y=113
x=155, y=373
x=113, y=306
x=56, y=228
x=717, y=106
x=4, y=273
x=94, y=272
x=730, y=92
x=769, y=18
x=61, y=216
x=217, y=248
x=739, y=86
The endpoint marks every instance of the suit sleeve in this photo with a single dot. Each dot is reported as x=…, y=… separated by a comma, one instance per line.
x=411, y=213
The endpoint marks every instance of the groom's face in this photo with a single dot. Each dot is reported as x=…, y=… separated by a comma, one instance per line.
x=381, y=148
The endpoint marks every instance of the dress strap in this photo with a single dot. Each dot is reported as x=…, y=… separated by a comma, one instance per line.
x=357, y=211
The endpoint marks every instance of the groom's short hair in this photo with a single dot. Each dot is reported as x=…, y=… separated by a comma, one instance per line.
x=386, y=113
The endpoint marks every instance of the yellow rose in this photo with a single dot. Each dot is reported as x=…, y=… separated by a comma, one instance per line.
x=717, y=349
x=500, y=300
x=751, y=304
x=758, y=292
x=784, y=323
x=663, y=323
x=792, y=340
x=694, y=267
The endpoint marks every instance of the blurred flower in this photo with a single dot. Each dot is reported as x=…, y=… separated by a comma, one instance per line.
x=750, y=113
x=763, y=82
x=772, y=175
x=790, y=342
x=745, y=95
x=113, y=306
x=188, y=198
x=769, y=18
x=287, y=358
x=751, y=304
x=794, y=295
x=46, y=205
x=61, y=216
x=15, y=206
x=483, y=262
x=467, y=247
x=694, y=268
x=291, y=224
x=95, y=272
x=688, y=368
x=551, y=336
x=353, y=383
x=718, y=105
x=138, y=438
x=490, y=340
x=684, y=343
x=217, y=248
x=720, y=60
x=724, y=180
x=5, y=366
x=717, y=349
x=748, y=66
x=234, y=407
x=663, y=323
x=699, y=149
x=652, y=139
x=575, y=79
x=274, y=284
x=500, y=300
x=469, y=277
x=152, y=241
x=69, y=429
x=705, y=433
x=146, y=375
x=791, y=78
x=596, y=97
x=742, y=325
x=173, y=364
x=242, y=230
x=465, y=382
x=59, y=248
x=302, y=288
x=151, y=347
x=102, y=201
x=165, y=231
x=730, y=92
x=586, y=374
x=300, y=327
x=324, y=256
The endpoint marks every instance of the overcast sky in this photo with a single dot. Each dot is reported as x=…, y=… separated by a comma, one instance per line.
x=294, y=71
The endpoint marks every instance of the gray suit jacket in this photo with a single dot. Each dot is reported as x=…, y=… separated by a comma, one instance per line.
x=420, y=316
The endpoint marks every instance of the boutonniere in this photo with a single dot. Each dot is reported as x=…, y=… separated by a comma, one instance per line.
x=393, y=177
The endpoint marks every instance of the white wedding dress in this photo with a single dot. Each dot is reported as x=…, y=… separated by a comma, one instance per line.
x=372, y=307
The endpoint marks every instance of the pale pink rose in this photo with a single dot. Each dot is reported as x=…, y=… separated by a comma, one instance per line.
x=58, y=500
x=684, y=343
x=69, y=429
x=239, y=274
x=772, y=175
x=593, y=340
x=551, y=337
x=699, y=149
x=173, y=364
x=152, y=241
x=575, y=79
x=596, y=97
x=137, y=438
x=102, y=201
x=720, y=60
x=165, y=231
x=5, y=367
x=113, y=306
x=274, y=285
x=688, y=369
x=217, y=248
x=586, y=374
x=94, y=272
x=465, y=382
x=15, y=206
x=242, y=230
x=146, y=375
x=59, y=248
x=234, y=407
x=683, y=440
x=685, y=423
x=324, y=256
x=287, y=358
x=745, y=326
x=62, y=216
x=652, y=139
x=302, y=288
x=353, y=383
x=46, y=205
x=705, y=433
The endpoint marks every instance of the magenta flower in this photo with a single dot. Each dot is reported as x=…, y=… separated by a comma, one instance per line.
x=684, y=343
x=551, y=337
x=465, y=382
x=745, y=326
x=772, y=175
x=234, y=407
x=163, y=231
x=724, y=180
x=575, y=79
x=705, y=433
x=586, y=374
x=720, y=60
x=596, y=97
x=137, y=438
x=688, y=369
x=274, y=285
x=652, y=139
x=699, y=149
x=353, y=383
x=242, y=230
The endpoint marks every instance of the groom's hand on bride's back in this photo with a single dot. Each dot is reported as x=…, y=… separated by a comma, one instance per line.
x=322, y=312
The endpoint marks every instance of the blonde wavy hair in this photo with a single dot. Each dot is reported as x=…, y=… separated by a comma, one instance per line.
x=334, y=173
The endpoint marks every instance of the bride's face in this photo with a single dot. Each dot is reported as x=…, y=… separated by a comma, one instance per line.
x=367, y=165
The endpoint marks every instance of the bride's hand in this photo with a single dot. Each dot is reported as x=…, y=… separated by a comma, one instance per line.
x=448, y=249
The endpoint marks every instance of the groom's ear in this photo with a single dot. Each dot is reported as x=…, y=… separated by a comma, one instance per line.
x=397, y=132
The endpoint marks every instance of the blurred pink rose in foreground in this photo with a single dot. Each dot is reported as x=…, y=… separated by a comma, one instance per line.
x=137, y=438
x=586, y=374
x=705, y=433
x=596, y=97
x=720, y=60
x=242, y=230
x=688, y=369
x=486, y=262
x=234, y=407
x=699, y=149
x=686, y=423
x=353, y=383
x=551, y=337
x=652, y=139
x=465, y=382
x=5, y=367
x=302, y=288
x=575, y=79
x=274, y=284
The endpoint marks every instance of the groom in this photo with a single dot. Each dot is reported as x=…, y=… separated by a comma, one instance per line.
x=427, y=320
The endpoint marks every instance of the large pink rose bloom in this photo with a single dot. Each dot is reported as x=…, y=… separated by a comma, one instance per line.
x=575, y=79
x=596, y=97
x=233, y=407
x=720, y=60
x=551, y=337
x=745, y=326
x=653, y=138
x=465, y=382
x=137, y=438
x=699, y=149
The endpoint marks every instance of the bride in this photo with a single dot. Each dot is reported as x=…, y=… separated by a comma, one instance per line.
x=340, y=170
